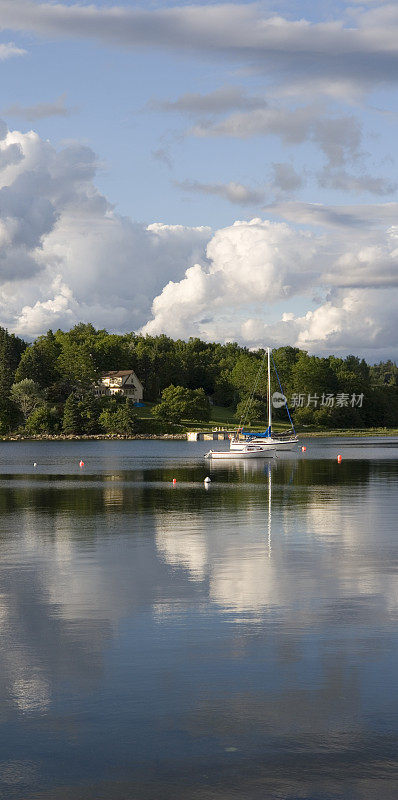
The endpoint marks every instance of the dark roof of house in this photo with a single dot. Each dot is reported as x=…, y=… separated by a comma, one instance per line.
x=114, y=373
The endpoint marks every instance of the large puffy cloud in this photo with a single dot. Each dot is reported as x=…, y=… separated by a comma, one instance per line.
x=354, y=320
x=65, y=254
x=253, y=265
x=249, y=262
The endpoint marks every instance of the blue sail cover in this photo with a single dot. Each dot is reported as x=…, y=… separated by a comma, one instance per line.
x=263, y=435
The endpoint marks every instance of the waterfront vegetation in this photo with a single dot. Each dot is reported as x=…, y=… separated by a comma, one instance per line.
x=46, y=387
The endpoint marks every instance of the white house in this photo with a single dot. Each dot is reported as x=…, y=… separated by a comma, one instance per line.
x=123, y=382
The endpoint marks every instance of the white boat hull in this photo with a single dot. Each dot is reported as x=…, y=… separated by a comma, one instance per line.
x=232, y=455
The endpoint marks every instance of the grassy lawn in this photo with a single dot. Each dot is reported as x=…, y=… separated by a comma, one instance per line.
x=312, y=431
x=222, y=417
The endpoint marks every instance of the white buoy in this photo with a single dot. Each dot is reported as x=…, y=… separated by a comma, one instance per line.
x=34, y=464
x=207, y=480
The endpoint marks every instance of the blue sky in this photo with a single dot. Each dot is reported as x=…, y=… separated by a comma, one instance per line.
x=173, y=127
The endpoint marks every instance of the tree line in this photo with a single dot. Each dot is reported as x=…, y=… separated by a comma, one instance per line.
x=47, y=386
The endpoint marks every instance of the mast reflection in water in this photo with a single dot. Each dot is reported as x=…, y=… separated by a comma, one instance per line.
x=234, y=641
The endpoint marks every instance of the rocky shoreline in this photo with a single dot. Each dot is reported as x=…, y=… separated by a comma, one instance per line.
x=109, y=437
x=44, y=437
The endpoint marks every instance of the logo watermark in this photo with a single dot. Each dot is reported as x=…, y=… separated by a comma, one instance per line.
x=278, y=400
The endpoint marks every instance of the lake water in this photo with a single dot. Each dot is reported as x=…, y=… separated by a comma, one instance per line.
x=165, y=641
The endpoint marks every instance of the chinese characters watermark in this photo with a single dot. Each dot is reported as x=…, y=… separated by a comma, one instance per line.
x=339, y=400
x=325, y=400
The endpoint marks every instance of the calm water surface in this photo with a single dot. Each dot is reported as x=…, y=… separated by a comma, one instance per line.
x=232, y=642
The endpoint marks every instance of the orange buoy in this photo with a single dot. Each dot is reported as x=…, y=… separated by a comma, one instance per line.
x=174, y=480
x=339, y=458
x=303, y=449
x=81, y=464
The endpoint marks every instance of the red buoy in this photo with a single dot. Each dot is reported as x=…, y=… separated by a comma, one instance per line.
x=81, y=464
x=339, y=458
x=174, y=480
x=303, y=449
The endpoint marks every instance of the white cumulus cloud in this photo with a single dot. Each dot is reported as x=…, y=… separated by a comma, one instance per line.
x=249, y=262
x=255, y=265
x=65, y=254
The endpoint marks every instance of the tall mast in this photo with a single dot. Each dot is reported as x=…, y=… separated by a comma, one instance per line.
x=269, y=389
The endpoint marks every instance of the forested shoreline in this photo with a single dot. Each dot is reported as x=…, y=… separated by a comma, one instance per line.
x=46, y=387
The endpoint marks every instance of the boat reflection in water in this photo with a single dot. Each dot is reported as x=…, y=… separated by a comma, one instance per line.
x=171, y=642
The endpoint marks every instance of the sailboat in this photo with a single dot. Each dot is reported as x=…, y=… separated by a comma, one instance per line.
x=239, y=448
x=244, y=450
x=246, y=444
x=266, y=440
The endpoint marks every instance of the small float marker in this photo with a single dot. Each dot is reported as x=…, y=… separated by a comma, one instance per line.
x=34, y=464
x=303, y=449
x=339, y=458
x=174, y=480
x=207, y=480
x=81, y=463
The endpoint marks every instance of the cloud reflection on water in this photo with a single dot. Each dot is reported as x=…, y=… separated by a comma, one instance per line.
x=204, y=629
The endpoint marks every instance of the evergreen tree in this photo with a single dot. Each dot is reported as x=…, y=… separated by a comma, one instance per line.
x=89, y=411
x=72, y=421
x=119, y=420
x=11, y=349
x=39, y=361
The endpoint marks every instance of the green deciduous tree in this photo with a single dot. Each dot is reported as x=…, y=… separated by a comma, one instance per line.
x=75, y=364
x=248, y=411
x=312, y=375
x=26, y=395
x=44, y=419
x=384, y=374
x=179, y=403
x=304, y=416
x=250, y=375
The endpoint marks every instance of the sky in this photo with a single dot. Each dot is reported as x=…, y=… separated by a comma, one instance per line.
x=212, y=169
